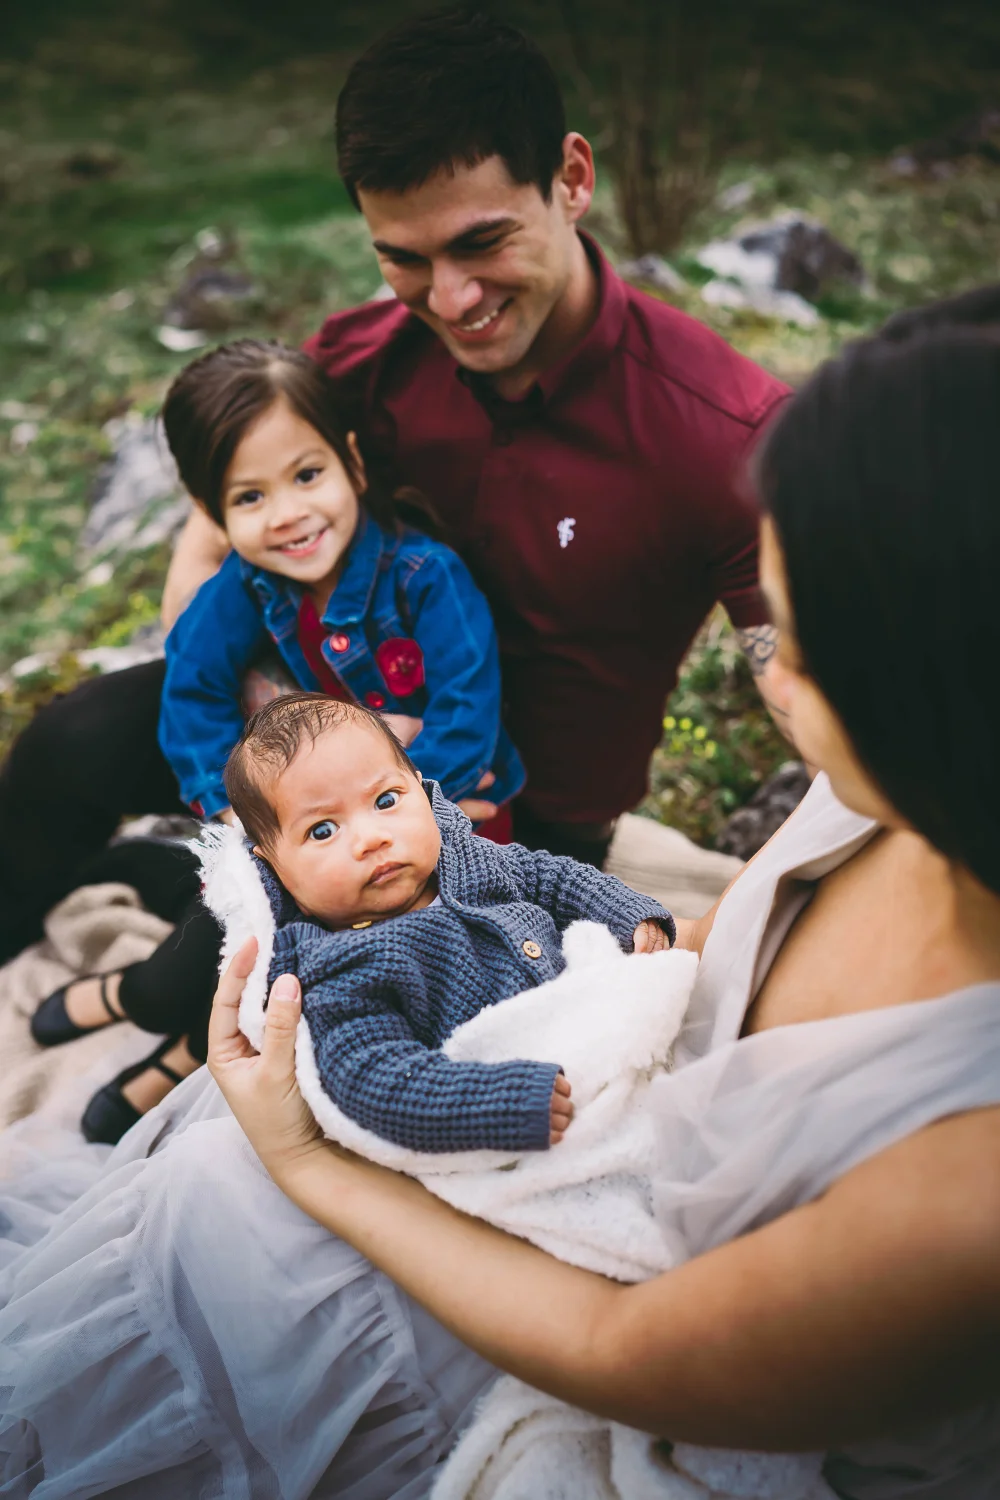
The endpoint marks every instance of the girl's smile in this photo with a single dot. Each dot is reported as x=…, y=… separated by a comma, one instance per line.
x=288, y=504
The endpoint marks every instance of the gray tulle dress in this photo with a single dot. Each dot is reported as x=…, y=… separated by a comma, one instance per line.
x=173, y=1326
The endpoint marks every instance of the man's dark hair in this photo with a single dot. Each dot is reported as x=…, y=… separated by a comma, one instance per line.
x=883, y=480
x=270, y=742
x=453, y=87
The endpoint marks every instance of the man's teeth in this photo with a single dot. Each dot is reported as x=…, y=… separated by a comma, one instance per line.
x=483, y=322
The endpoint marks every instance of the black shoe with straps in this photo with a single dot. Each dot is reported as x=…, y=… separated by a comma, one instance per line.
x=51, y=1025
x=109, y=1114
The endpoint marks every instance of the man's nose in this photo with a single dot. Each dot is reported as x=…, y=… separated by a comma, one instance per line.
x=453, y=294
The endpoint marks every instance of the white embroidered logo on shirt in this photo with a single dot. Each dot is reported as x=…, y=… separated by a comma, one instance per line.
x=565, y=530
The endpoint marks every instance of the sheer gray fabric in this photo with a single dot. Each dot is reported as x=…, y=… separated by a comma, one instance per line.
x=173, y=1325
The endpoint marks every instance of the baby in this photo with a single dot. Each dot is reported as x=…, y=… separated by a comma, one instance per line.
x=401, y=925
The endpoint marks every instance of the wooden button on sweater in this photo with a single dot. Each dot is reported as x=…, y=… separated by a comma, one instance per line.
x=531, y=948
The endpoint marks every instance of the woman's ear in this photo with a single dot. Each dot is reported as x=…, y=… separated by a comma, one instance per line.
x=358, y=474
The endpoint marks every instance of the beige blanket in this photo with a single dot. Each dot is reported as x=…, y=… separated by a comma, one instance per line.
x=101, y=928
x=97, y=929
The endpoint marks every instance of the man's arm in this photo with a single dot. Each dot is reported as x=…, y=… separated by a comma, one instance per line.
x=199, y=553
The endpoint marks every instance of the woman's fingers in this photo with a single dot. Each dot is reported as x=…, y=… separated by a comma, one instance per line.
x=284, y=1006
x=225, y=1041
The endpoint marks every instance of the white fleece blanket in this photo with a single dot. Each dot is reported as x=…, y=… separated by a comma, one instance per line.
x=610, y=1020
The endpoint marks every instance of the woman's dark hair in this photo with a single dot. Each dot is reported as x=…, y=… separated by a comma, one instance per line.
x=454, y=86
x=883, y=481
x=975, y=309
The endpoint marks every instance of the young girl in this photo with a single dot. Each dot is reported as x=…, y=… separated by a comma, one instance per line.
x=357, y=605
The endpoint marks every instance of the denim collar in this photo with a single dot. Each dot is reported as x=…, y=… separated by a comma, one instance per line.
x=350, y=600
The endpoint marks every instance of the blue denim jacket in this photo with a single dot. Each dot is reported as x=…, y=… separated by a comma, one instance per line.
x=394, y=588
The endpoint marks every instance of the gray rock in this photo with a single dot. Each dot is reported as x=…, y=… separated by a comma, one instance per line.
x=652, y=270
x=138, y=500
x=780, y=267
x=750, y=828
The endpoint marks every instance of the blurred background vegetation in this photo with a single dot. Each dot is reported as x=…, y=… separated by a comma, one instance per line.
x=126, y=132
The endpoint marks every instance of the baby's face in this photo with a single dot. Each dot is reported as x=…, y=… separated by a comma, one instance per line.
x=358, y=840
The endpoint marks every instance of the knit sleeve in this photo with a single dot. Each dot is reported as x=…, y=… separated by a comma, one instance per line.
x=381, y=1076
x=570, y=891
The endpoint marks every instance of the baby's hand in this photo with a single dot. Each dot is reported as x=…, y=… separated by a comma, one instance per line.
x=561, y=1111
x=649, y=937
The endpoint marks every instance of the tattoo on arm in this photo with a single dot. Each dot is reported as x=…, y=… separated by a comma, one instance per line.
x=759, y=644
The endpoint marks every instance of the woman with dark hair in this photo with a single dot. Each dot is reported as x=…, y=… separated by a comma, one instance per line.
x=830, y=1137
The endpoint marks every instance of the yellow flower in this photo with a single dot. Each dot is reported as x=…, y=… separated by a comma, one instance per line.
x=670, y=722
x=685, y=723
x=710, y=748
x=700, y=732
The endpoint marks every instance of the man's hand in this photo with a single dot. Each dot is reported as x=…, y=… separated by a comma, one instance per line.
x=758, y=644
x=476, y=808
x=561, y=1111
x=649, y=937
x=404, y=726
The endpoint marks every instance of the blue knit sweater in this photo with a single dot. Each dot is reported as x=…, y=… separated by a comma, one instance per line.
x=379, y=1002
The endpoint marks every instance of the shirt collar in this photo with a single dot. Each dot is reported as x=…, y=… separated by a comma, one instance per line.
x=593, y=351
x=350, y=599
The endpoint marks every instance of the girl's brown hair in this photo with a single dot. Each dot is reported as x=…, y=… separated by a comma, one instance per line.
x=216, y=398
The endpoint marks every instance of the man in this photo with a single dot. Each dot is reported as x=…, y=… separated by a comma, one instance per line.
x=579, y=440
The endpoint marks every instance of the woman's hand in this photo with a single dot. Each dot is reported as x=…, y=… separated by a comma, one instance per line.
x=260, y=1088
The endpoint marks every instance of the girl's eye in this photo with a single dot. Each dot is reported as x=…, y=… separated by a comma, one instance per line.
x=306, y=476
x=385, y=800
x=320, y=832
x=248, y=497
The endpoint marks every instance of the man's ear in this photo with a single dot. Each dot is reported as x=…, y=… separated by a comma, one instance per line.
x=576, y=178
x=358, y=475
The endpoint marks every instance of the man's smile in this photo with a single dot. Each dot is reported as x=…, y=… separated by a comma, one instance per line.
x=472, y=330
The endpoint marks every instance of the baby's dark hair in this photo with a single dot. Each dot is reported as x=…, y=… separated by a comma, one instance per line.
x=273, y=737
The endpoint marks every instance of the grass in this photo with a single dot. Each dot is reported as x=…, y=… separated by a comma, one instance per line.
x=114, y=155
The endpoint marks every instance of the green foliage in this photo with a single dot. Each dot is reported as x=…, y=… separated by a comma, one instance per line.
x=718, y=742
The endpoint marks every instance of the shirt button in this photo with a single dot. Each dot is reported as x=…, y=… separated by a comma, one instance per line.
x=531, y=948
x=375, y=700
x=340, y=642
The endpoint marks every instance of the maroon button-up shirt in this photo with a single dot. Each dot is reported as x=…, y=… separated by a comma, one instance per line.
x=599, y=515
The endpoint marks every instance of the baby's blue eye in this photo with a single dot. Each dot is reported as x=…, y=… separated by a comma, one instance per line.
x=385, y=800
x=323, y=831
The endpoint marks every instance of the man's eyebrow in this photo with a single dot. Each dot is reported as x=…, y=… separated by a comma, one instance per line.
x=461, y=241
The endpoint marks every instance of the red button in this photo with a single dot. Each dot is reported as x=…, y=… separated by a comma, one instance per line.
x=339, y=642
x=375, y=700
